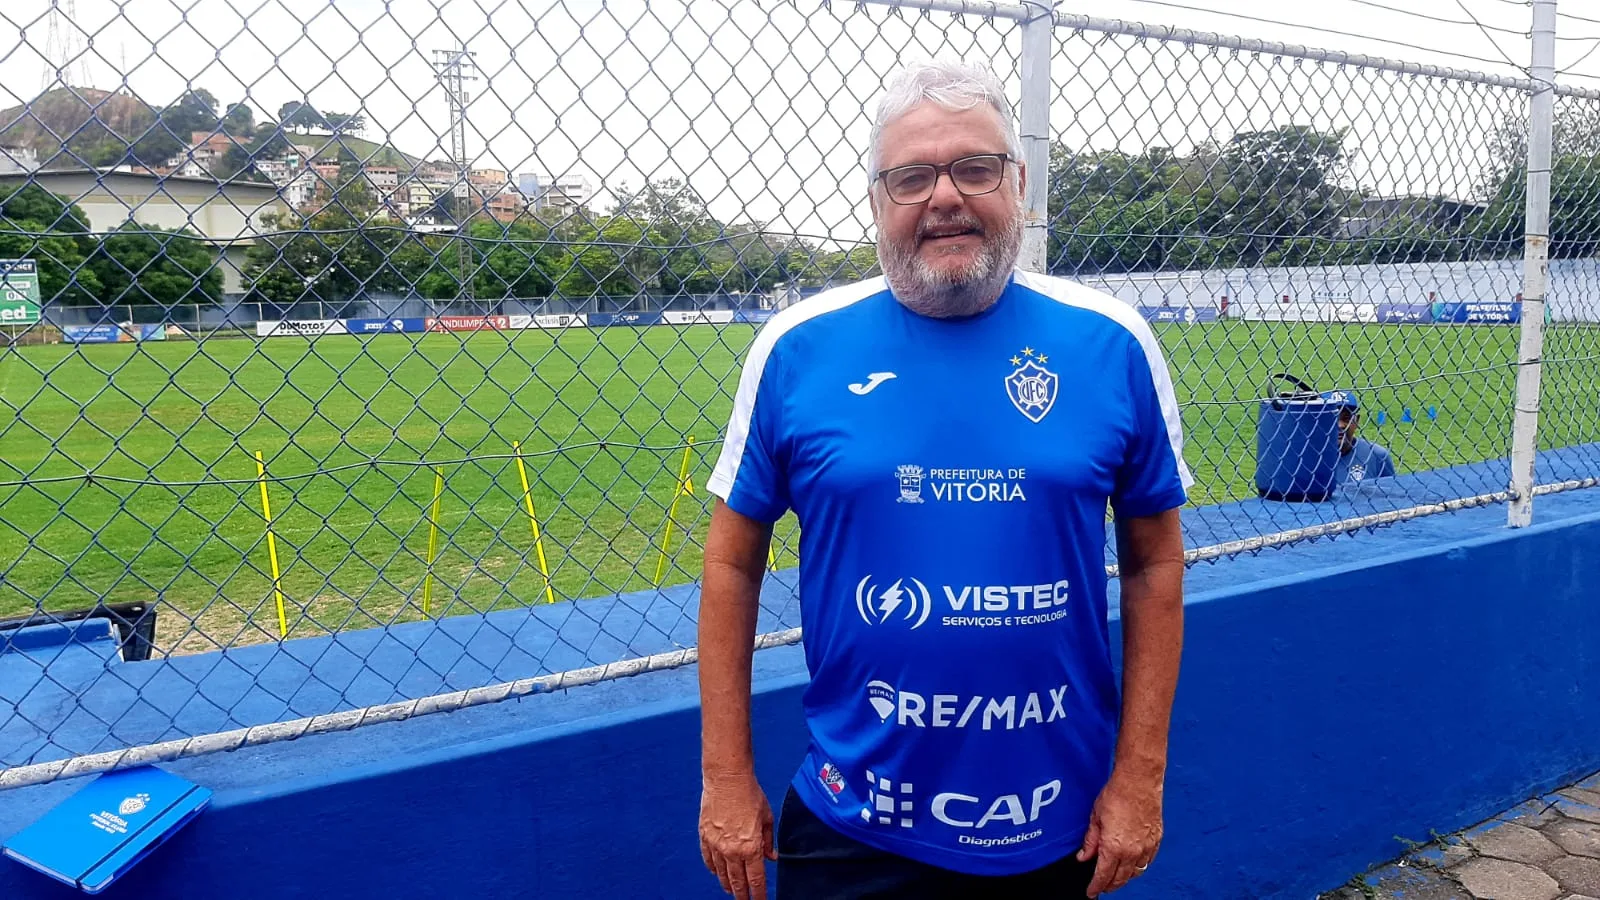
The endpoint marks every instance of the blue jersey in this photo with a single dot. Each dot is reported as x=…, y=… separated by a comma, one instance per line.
x=1364, y=462
x=951, y=480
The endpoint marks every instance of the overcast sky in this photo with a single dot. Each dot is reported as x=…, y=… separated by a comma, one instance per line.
x=764, y=106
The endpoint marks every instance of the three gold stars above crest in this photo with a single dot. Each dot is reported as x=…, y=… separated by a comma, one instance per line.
x=1028, y=351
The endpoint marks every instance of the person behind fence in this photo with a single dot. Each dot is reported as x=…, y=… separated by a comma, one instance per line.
x=949, y=436
x=1359, y=459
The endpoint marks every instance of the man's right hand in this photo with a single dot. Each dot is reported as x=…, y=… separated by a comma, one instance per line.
x=736, y=834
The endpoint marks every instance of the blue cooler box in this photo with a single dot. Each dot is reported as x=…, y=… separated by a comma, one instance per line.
x=1297, y=447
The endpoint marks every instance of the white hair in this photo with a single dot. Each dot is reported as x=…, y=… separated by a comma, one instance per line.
x=952, y=85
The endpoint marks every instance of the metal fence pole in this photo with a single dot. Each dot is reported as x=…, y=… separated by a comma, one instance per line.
x=1535, y=265
x=1037, y=31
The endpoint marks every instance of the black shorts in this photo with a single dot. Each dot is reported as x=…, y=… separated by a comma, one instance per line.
x=815, y=862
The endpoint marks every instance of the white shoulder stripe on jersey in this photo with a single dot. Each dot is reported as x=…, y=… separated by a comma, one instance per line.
x=1073, y=294
x=744, y=401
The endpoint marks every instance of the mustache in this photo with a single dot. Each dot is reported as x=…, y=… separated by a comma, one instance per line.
x=966, y=222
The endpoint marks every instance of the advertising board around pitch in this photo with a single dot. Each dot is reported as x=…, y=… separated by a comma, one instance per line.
x=697, y=316
x=112, y=334
x=1188, y=315
x=19, y=289
x=300, y=328
x=385, y=326
x=624, y=318
x=468, y=323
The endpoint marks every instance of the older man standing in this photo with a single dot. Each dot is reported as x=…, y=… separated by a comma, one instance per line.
x=966, y=733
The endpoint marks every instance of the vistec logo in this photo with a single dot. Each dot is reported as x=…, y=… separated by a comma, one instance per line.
x=907, y=602
x=897, y=603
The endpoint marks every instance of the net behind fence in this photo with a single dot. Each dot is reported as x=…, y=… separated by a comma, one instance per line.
x=434, y=381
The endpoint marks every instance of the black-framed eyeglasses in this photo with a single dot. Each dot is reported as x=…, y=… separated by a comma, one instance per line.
x=972, y=175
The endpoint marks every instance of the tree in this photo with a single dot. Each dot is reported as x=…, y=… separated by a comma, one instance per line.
x=30, y=202
x=1574, y=190
x=270, y=142
x=195, y=110
x=333, y=258
x=1112, y=211
x=1078, y=182
x=36, y=224
x=63, y=277
x=299, y=116
x=353, y=193
x=668, y=205
x=1220, y=205
x=512, y=261
x=612, y=260
x=239, y=120
x=345, y=123
x=1574, y=208
x=425, y=264
x=1273, y=186
x=749, y=259
x=824, y=269
x=138, y=264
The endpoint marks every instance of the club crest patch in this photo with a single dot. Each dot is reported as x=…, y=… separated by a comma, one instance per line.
x=1031, y=387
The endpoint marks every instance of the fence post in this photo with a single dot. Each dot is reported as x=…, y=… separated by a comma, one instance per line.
x=1535, y=264
x=1037, y=31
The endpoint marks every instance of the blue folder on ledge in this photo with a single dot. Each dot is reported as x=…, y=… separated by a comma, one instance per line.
x=91, y=838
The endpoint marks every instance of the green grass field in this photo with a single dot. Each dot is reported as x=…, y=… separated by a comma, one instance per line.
x=353, y=542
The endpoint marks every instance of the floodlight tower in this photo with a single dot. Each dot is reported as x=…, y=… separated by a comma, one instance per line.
x=455, y=67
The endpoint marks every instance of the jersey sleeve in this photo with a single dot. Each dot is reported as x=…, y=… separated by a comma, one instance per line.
x=751, y=475
x=1383, y=462
x=1153, y=477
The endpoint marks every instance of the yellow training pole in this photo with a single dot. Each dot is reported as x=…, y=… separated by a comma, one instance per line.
x=272, y=545
x=684, y=486
x=772, y=554
x=538, y=542
x=433, y=541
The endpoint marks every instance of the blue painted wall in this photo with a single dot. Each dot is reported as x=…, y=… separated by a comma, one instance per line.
x=1333, y=696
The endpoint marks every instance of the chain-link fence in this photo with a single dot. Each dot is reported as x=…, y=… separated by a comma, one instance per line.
x=489, y=277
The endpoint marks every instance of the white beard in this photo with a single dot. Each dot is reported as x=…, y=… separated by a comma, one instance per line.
x=945, y=294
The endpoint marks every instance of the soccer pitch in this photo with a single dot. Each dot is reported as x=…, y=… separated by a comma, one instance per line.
x=620, y=401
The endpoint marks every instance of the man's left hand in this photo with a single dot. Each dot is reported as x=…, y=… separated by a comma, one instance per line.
x=1124, y=832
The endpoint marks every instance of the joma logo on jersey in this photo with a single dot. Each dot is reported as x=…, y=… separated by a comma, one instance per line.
x=914, y=710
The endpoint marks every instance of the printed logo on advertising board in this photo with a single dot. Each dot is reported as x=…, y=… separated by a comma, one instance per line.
x=469, y=323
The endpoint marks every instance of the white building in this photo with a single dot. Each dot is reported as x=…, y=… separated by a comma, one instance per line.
x=18, y=160
x=300, y=190
x=384, y=179
x=562, y=195
x=228, y=215
x=278, y=171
